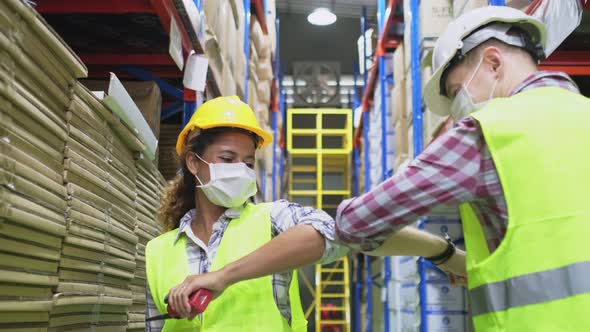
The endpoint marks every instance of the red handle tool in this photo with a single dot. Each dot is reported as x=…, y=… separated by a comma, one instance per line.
x=198, y=302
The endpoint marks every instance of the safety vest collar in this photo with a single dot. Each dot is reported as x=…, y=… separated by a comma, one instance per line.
x=186, y=220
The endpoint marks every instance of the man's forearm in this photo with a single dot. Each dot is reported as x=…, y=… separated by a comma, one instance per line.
x=410, y=241
x=297, y=247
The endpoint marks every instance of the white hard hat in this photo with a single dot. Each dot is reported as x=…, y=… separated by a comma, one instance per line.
x=460, y=38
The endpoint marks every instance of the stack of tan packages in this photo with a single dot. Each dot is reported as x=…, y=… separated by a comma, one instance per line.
x=69, y=228
x=149, y=184
x=400, y=108
x=98, y=257
x=168, y=164
x=260, y=73
x=36, y=71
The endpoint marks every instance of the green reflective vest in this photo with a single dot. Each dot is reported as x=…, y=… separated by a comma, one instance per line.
x=539, y=278
x=245, y=306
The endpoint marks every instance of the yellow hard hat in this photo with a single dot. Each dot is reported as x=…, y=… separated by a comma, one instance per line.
x=223, y=112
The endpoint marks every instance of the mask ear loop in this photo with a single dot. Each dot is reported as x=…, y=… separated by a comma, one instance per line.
x=199, y=180
x=474, y=72
x=493, y=88
x=196, y=176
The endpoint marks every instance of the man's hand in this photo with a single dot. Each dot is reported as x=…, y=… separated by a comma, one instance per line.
x=179, y=295
x=455, y=269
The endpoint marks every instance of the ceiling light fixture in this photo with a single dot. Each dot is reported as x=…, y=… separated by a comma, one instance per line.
x=321, y=16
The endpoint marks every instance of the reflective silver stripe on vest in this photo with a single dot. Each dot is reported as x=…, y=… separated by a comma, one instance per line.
x=539, y=287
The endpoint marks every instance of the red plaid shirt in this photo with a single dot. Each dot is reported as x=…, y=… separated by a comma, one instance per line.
x=455, y=168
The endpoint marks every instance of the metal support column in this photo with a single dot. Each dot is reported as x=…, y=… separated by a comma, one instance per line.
x=369, y=273
x=384, y=169
x=246, y=45
x=358, y=286
x=367, y=169
x=418, y=137
x=283, y=110
x=274, y=118
x=355, y=105
x=190, y=105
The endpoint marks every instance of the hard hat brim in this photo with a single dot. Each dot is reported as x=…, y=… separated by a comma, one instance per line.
x=437, y=103
x=265, y=137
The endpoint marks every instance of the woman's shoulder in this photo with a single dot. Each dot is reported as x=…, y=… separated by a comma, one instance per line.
x=163, y=238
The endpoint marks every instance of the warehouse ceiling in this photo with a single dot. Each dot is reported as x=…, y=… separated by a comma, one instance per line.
x=302, y=41
x=342, y=8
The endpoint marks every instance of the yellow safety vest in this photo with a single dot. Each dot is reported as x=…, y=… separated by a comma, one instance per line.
x=539, y=278
x=245, y=306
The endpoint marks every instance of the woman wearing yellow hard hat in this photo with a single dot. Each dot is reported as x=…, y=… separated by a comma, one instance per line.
x=212, y=228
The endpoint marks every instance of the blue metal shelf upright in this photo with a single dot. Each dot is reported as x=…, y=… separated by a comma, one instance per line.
x=387, y=41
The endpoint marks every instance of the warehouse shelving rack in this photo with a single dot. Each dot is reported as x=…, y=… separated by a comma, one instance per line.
x=387, y=41
x=319, y=142
x=147, y=64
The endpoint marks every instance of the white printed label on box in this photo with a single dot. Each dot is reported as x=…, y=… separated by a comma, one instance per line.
x=175, y=47
x=441, y=296
x=451, y=322
x=195, y=73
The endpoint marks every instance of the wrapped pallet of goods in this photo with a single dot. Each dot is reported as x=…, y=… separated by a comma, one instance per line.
x=36, y=71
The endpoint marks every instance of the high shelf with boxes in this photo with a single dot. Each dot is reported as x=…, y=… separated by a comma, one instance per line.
x=319, y=143
x=139, y=40
x=262, y=86
x=159, y=38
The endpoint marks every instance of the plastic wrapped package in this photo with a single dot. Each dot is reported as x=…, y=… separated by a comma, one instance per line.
x=561, y=18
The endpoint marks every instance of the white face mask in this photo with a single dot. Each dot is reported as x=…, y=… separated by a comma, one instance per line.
x=463, y=104
x=230, y=184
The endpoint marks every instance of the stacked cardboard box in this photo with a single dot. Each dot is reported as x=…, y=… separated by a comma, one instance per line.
x=260, y=72
x=36, y=71
x=169, y=164
x=224, y=45
x=68, y=186
x=435, y=15
x=146, y=95
x=98, y=255
x=225, y=31
x=399, y=106
x=149, y=184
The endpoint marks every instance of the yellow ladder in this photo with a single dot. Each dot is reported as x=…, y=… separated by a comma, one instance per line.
x=319, y=142
x=333, y=295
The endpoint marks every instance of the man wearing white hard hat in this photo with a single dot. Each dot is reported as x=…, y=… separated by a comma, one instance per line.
x=517, y=163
